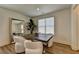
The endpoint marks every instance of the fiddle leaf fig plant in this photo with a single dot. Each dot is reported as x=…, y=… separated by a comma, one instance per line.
x=31, y=26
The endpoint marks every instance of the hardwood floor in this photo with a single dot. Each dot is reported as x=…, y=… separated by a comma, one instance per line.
x=8, y=49
x=57, y=48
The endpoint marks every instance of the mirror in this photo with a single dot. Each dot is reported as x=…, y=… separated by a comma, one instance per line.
x=17, y=27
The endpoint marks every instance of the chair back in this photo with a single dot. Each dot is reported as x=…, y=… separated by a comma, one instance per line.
x=19, y=39
x=33, y=45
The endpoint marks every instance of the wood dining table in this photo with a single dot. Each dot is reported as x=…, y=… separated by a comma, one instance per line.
x=39, y=37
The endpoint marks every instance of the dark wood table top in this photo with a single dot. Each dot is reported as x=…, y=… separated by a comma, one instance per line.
x=40, y=37
x=44, y=37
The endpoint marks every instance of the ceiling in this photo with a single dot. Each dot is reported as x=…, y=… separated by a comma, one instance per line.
x=31, y=9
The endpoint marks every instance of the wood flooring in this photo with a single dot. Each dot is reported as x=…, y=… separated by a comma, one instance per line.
x=8, y=49
x=57, y=48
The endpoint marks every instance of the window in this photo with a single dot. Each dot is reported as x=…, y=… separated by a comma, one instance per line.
x=41, y=26
x=46, y=26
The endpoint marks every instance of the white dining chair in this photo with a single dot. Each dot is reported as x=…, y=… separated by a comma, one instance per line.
x=50, y=42
x=19, y=44
x=33, y=47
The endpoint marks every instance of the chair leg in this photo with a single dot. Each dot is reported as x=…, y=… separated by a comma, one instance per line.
x=44, y=49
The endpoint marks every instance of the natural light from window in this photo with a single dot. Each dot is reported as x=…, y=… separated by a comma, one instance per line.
x=46, y=25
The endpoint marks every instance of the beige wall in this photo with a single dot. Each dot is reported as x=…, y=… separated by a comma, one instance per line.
x=62, y=25
x=5, y=16
x=75, y=27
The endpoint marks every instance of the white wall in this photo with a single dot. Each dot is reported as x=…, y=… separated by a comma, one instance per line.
x=62, y=25
x=5, y=16
x=75, y=27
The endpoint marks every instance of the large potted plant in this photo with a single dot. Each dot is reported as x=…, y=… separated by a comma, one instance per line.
x=31, y=26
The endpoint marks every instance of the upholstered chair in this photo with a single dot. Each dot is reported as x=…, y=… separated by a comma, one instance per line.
x=50, y=42
x=19, y=44
x=33, y=47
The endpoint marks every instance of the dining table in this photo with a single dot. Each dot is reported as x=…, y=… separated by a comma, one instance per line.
x=39, y=37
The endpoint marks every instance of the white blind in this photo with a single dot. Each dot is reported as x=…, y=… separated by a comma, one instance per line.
x=46, y=26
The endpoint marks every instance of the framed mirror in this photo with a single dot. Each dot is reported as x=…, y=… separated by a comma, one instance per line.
x=16, y=27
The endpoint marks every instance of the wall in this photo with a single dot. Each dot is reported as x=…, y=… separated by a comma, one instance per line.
x=5, y=16
x=62, y=25
x=75, y=27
